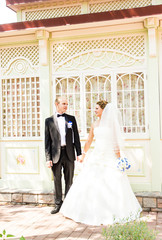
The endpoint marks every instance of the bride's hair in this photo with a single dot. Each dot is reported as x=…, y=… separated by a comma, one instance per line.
x=102, y=103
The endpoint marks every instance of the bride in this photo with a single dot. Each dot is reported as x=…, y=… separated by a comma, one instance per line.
x=101, y=193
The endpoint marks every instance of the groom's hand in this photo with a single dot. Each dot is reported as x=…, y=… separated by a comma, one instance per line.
x=79, y=158
x=49, y=164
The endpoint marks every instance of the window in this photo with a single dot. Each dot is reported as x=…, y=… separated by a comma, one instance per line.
x=131, y=101
x=21, y=107
x=70, y=87
x=96, y=87
x=125, y=90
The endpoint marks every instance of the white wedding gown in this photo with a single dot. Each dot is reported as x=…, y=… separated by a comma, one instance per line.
x=101, y=194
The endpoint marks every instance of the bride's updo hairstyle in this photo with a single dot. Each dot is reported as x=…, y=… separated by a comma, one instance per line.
x=102, y=103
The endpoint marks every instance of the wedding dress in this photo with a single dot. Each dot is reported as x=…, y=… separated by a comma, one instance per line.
x=101, y=193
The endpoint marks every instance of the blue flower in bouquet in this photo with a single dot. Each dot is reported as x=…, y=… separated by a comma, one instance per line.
x=123, y=164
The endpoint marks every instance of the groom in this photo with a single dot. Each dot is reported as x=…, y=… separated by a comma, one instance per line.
x=61, y=141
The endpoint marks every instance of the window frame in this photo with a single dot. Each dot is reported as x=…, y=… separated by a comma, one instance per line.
x=113, y=73
x=10, y=138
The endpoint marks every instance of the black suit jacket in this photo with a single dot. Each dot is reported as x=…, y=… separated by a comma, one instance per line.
x=53, y=139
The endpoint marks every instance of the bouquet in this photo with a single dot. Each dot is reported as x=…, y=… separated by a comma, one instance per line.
x=123, y=164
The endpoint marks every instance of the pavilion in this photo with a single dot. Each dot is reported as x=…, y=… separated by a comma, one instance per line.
x=87, y=50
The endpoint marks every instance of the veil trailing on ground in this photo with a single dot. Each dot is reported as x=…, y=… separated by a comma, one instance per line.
x=111, y=118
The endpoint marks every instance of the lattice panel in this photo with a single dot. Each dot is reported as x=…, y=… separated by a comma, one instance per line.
x=117, y=5
x=30, y=52
x=53, y=13
x=21, y=107
x=133, y=44
x=96, y=88
x=131, y=101
x=70, y=87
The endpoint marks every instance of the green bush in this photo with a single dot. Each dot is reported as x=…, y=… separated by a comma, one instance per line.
x=137, y=230
x=4, y=235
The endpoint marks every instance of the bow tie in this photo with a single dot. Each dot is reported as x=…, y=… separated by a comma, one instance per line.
x=61, y=115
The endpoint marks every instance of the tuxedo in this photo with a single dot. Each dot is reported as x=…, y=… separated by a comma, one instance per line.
x=62, y=156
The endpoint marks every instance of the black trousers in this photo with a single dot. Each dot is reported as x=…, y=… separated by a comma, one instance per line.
x=68, y=170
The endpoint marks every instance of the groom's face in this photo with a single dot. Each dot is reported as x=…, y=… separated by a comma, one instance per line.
x=62, y=105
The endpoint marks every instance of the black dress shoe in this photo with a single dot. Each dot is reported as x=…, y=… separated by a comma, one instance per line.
x=56, y=209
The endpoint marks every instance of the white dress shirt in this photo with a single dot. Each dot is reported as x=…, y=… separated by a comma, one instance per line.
x=61, y=125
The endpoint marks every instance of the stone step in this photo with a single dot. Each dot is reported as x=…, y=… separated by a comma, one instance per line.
x=149, y=201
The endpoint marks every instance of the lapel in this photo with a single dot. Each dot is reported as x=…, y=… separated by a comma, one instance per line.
x=69, y=131
x=66, y=122
x=56, y=123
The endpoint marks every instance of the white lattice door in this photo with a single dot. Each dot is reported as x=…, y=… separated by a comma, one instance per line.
x=21, y=107
x=125, y=90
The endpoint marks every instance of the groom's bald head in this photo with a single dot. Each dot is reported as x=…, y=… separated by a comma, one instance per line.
x=61, y=104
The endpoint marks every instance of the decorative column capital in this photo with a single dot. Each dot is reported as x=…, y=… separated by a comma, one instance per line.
x=151, y=22
x=42, y=34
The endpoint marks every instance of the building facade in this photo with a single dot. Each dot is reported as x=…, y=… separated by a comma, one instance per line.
x=86, y=50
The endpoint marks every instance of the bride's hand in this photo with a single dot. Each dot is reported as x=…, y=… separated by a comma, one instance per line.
x=118, y=154
x=81, y=159
x=83, y=156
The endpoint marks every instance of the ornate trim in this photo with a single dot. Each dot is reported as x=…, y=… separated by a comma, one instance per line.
x=19, y=66
x=98, y=59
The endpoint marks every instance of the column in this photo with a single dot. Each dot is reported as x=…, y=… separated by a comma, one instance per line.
x=153, y=101
x=45, y=92
x=85, y=7
x=42, y=37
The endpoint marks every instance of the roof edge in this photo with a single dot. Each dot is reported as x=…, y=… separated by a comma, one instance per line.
x=12, y=2
x=84, y=18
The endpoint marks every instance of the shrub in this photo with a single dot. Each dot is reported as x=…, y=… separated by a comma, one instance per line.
x=137, y=230
x=4, y=235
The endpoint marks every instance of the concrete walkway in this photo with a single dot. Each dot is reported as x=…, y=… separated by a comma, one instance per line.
x=36, y=223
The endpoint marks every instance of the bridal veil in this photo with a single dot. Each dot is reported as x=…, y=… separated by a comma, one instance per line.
x=111, y=118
